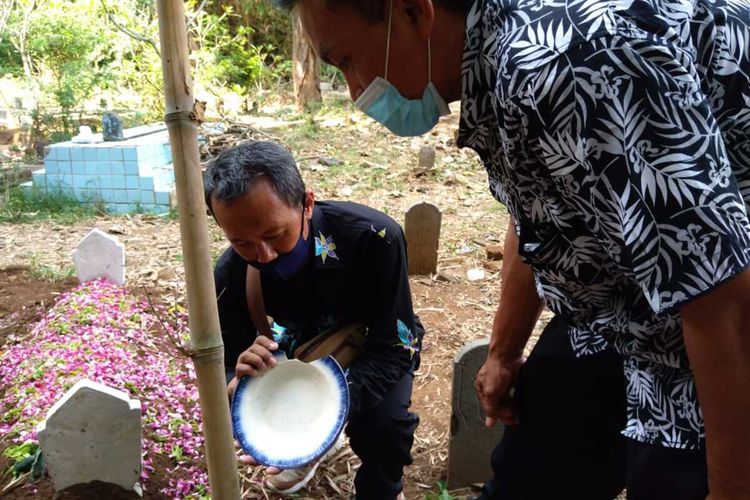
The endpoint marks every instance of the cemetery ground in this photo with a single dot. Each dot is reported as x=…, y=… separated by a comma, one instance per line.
x=342, y=155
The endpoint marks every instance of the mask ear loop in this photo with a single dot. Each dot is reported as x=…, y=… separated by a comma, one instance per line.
x=429, y=61
x=302, y=225
x=388, y=41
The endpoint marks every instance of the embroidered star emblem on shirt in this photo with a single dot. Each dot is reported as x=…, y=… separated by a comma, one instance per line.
x=325, y=247
x=407, y=338
x=380, y=233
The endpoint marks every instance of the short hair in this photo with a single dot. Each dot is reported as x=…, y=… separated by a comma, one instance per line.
x=232, y=174
x=374, y=10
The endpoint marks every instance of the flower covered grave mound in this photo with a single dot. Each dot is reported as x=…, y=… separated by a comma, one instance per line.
x=101, y=332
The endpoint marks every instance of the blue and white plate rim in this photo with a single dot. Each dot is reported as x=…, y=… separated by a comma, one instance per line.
x=293, y=463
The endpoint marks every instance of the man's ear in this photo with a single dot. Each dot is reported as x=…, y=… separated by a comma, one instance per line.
x=421, y=14
x=309, y=202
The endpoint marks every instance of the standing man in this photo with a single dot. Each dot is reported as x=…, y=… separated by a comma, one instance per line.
x=616, y=133
x=317, y=267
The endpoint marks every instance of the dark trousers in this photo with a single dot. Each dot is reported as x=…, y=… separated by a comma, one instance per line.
x=382, y=439
x=658, y=473
x=568, y=443
x=571, y=411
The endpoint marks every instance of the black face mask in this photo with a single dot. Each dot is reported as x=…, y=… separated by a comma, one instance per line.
x=288, y=264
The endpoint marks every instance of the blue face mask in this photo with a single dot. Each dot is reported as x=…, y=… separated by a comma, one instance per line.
x=288, y=264
x=382, y=102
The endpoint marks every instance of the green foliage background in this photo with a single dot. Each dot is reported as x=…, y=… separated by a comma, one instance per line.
x=70, y=51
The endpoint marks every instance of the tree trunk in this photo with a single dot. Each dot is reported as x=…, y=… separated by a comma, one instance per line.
x=21, y=44
x=305, y=67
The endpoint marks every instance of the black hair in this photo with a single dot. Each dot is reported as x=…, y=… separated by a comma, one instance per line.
x=374, y=10
x=234, y=171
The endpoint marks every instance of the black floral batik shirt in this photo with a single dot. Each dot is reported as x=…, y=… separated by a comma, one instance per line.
x=617, y=133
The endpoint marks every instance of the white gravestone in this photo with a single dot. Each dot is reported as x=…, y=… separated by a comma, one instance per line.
x=93, y=433
x=100, y=255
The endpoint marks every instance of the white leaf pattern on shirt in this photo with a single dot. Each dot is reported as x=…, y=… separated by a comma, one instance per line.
x=616, y=133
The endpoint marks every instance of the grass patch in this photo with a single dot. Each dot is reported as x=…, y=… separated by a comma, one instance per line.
x=441, y=493
x=20, y=206
x=44, y=272
x=172, y=214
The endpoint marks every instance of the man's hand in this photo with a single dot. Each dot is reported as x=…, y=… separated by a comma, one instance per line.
x=231, y=387
x=246, y=459
x=515, y=318
x=257, y=358
x=494, y=382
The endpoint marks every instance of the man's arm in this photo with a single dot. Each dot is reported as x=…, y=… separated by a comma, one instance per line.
x=392, y=338
x=716, y=328
x=237, y=329
x=515, y=318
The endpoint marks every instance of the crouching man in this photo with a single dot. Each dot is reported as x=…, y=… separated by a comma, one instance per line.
x=315, y=267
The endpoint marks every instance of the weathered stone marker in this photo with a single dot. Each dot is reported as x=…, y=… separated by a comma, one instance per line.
x=100, y=255
x=422, y=228
x=112, y=127
x=93, y=433
x=471, y=443
x=427, y=157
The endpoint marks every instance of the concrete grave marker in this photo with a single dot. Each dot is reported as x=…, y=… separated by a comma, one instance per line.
x=112, y=127
x=422, y=228
x=100, y=255
x=427, y=157
x=93, y=433
x=471, y=443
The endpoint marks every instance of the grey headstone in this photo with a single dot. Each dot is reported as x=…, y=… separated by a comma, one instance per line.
x=93, y=433
x=427, y=157
x=422, y=228
x=100, y=255
x=112, y=127
x=471, y=442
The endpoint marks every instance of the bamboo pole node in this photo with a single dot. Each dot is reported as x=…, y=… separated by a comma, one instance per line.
x=206, y=354
x=178, y=116
x=197, y=114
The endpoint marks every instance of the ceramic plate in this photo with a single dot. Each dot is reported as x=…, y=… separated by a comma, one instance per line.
x=290, y=415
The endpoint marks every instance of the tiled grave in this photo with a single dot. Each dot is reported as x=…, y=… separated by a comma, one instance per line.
x=134, y=174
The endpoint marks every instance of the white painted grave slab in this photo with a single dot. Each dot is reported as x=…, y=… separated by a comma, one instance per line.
x=422, y=229
x=93, y=433
x=100, y=255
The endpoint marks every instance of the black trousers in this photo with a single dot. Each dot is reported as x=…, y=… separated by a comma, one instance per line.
x=658, y=473
x=568, y=444
x=571, y=411
x=382, y=438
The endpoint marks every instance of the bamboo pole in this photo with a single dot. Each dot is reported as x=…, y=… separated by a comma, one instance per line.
x=205, y=334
